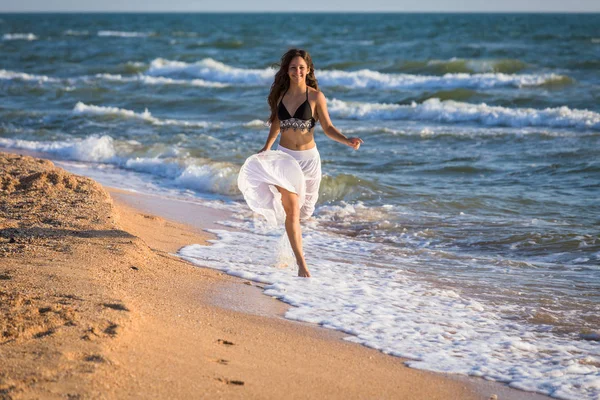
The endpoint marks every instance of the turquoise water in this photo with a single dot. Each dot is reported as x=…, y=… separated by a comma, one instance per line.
x=482, y=132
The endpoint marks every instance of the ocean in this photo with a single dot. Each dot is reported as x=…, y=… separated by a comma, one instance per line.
x=463, y=235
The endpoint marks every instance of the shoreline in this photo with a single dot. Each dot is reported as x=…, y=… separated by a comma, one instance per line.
x=143, y=308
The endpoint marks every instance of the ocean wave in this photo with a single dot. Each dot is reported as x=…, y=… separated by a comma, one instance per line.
x=70, y=32
x=213, y=70
x=84, y=109
x=19, y=36
x=345, y=187
x=197, y=174
x=507, y=66
x=211, y=73
x=377, y=80
x=124, y=34
x=134, y=67
x=255, y=123
x=91, y=149
x=460, y=65
x=215, y=177
x=227, y=44
x=457, y=112
x=160, y=80
x=200, y=175
x=459, y=94
x=10, y=75
x=184, y=34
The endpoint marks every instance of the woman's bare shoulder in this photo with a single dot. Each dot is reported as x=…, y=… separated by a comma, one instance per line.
x=316, y=95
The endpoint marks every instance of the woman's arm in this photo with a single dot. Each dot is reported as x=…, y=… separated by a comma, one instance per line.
x=331, y=131
x=273, y=133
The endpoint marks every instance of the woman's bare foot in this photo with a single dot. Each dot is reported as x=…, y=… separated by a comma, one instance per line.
x=303, y=270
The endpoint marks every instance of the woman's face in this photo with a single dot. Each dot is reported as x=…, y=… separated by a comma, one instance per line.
x=298, y=69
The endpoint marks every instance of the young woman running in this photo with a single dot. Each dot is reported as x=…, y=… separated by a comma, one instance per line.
x=283, y=185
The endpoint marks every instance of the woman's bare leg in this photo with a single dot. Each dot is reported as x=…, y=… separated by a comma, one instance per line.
x=292, y=227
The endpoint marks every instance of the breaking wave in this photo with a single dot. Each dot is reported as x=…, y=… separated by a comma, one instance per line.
x=84, y=109
x=212, y=70
x=456, y=112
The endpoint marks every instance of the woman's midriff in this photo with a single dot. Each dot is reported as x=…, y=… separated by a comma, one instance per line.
x=297, y=140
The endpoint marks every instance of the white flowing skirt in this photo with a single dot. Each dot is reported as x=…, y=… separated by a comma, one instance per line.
x=298, y=171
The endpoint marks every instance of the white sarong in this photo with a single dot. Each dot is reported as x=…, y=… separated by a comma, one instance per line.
x=298, y=171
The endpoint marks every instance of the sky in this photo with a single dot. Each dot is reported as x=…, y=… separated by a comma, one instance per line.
x=302, y=5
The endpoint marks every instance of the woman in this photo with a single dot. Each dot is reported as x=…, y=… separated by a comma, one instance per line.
x=284, y=184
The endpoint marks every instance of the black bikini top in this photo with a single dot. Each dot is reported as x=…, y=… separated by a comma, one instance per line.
x=302, y=118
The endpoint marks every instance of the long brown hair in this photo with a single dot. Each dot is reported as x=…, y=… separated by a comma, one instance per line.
x=281, y=83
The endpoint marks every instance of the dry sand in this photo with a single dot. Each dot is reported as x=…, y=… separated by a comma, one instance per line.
x=94, y=305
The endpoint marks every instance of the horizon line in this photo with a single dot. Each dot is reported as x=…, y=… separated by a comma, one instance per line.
x=295, y=12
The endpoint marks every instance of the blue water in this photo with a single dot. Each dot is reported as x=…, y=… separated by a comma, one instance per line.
x=482, y=133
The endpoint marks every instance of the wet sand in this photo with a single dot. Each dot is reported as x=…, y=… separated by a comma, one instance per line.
x=94, y=304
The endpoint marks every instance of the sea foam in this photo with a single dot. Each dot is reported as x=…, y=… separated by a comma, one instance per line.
x=393, y=311
x=453, y=112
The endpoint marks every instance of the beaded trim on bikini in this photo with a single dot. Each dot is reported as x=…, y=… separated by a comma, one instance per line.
x=297, y=124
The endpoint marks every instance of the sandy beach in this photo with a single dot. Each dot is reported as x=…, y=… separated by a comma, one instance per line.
x=94, y=304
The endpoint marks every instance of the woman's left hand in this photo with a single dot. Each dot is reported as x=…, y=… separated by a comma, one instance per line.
x=354, y=142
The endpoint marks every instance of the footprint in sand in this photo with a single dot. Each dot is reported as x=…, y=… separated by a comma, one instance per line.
x=44, y=334
x=231, y=381
x=95, y=358
x=116, y=306
x=111, y=329
x=225, y=342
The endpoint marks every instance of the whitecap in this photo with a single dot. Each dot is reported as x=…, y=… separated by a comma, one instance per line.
x=84, y=109
x=255, y=123
x=373, y=79
x=211, y=70
x=10, y=75
x=19, y=36
x=124, y=34
x=152, y=80
x=458, y=112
